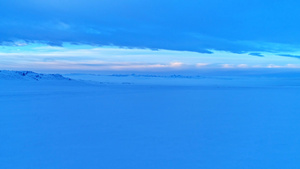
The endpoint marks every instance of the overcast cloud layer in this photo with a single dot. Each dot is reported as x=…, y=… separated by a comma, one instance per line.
x=194, y=25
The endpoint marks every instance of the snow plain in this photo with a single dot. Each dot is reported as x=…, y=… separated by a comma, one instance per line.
x=142, y=121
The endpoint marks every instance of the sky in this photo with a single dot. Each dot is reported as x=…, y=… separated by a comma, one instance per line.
x=149, y=34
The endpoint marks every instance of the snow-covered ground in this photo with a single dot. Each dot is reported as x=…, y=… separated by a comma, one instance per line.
x=144, y=121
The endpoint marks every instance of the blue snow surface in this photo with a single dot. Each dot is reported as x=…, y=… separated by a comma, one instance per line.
x=139, y=121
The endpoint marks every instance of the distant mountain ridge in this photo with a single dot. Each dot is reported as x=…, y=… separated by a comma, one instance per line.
x=29, y=75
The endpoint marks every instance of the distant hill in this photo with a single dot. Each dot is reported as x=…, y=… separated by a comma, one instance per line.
x=29, y=75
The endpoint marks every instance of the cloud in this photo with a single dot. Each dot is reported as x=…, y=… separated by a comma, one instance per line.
x=194, y=25
x=93, y=65
x=227, y=66
x=107, y=57
x=176, y=64
x=292, y=56
x=292, y=66
x=144, y=66
x=256, y=54
x=200, y=65
x=242, y=66
x=276, y=66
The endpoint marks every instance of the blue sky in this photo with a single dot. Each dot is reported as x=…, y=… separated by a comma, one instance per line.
x=144, y=34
